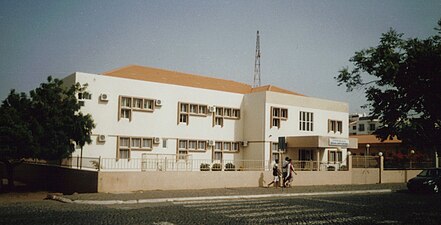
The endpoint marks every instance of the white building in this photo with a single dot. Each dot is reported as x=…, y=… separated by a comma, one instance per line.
x=361, y=124
x=143, y=112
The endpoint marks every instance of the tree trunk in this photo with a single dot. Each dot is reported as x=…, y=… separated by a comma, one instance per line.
x=10, y=175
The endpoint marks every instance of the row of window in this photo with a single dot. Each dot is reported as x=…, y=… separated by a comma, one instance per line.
x=129, y=104
x=278, y=115
x=361, y=127
x=335, y=126
x=128, y=144
x=306, y=119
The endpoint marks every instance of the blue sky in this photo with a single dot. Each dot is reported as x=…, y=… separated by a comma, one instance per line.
x=304, y=43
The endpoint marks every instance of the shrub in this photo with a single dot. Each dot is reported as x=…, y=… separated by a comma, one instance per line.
x=230, y=167
x=205, y=167
x=216, y=167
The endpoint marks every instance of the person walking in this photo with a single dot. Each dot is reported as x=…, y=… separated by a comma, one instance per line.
x=285, y=170
x=276, y=174
x=290, y=172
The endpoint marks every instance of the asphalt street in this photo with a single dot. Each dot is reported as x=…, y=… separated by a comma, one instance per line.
x=397, y=207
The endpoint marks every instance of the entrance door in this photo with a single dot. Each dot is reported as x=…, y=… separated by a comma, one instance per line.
x=305, y=158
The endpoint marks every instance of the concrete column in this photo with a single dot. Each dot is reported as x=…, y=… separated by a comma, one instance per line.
x=436, y=160
x=381, y=169
x=318, y=159
x=350, y=162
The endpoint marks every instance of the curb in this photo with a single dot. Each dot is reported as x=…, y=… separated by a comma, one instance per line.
x=183, y=199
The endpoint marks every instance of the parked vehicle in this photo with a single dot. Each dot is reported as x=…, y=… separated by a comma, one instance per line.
x=429, y=180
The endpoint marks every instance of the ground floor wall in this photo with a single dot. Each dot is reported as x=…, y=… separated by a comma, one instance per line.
x=69, y=180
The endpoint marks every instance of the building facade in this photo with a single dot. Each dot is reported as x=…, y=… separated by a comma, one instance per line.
x=143, y=112
x=361, y=124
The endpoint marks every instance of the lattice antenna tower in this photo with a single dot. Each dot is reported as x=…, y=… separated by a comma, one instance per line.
x=257, y=63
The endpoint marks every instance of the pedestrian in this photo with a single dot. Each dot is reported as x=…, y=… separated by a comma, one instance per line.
x=276, y=174
x=285, y=170
x=290, y=172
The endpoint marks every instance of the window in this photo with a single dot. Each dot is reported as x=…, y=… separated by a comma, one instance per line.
x=222, y=113
x=192, y=145
x=126, y=102
x=227, y=146
x=360, y=127
x=335, y=156
x=182, y=154
x=148, y=104
x=235, y=146
x=190, y=109
x=275, y=146
x=372, y=127
x=129, y=104
x=218, y=145
x=164, y=143
x=84, y=95
x=146, y=143
x=136, y=142
x=194, y=109
x=202, y=145
x=277, y=115
x=124, y=154
x=128, y=144
x=182, y=144
x=335, y=126
x=124, y=142
x=306, y=121
x=354, y=127
x=183, y=118
x=219, y=121
x=138, y=103
x=217, y=156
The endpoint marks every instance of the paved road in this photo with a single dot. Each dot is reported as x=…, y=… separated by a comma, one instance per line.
x=386, y=208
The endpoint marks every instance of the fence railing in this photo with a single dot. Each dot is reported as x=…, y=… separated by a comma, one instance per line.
x=365, y=162
x=171, y=163
x=393, y=163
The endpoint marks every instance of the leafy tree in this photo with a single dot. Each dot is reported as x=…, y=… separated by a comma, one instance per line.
x=44, y=126
x=402, y=82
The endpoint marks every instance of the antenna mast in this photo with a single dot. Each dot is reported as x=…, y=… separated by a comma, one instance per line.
x=257, y=63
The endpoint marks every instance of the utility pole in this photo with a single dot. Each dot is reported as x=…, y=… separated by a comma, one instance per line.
x=257, y=63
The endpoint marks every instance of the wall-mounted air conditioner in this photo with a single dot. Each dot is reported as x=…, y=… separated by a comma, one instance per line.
x=211, y=143
x=104, y=97
x=101, y=138
x=156, y=140
x=244, y=143
x=212, y=109
x=158, y=102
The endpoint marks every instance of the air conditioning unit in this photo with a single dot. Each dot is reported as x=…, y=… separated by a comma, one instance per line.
x=156, y=140
x=212, y=109
x=244, y=143
x=104, y=97
x=211, y=143
x=101, y=138
x=158, y=102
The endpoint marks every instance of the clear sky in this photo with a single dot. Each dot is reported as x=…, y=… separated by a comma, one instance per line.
x=304, y=43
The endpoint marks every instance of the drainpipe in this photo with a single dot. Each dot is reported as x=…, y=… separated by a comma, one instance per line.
x=436, y=160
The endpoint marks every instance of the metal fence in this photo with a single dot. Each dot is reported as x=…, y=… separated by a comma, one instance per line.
x=365, y=162
x=394, y=163
x=156, y=162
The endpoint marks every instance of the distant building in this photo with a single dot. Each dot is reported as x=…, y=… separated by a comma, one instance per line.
x=143, y=112
x=360, y=124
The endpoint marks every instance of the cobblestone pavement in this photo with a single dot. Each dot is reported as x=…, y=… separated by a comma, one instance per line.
x=387, y=208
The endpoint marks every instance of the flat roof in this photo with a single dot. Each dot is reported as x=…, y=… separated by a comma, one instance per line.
x=372, y=139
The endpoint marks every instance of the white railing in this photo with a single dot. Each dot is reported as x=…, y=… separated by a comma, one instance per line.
x=156, y=162
x=173, y=164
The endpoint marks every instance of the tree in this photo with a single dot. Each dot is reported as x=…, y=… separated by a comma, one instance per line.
x=402, y=82
x=44, y=126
